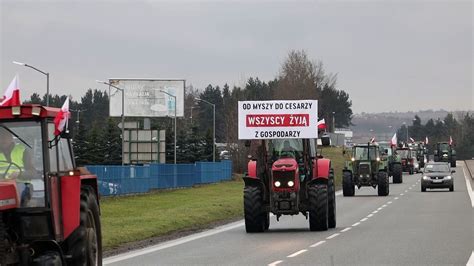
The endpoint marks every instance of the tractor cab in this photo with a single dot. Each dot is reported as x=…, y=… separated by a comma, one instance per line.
x=40, y=191
x=365, y=158
x=444, y=152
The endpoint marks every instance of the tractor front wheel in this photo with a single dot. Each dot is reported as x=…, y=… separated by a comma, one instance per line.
x=348, y=187
x=397, y=174
x=255, y=217
x=383, y=189
x=85, y=243
x=318, y=211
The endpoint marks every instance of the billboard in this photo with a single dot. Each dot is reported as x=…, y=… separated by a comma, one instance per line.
x=144, y=97
x=278, y=119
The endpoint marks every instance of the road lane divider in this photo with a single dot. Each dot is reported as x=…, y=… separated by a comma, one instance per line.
x=275, y=263
x=356, y=224
x=297, y=253
x=364, y=219
x=318, y=243
x=345, y=230
x=332, y=236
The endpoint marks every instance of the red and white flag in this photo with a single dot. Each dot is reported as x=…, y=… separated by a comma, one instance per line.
x=12, y=94
x=393, y=142
x=426, y=140
x=450, y=140
x=61, y=119
x=372, y=140
x=321, y=124
x=412, y=140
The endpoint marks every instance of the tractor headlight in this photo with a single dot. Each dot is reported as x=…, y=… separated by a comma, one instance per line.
x=353, y=159
x=378, y=159
x=277, y=184
x=291, y=183
x=425, y=177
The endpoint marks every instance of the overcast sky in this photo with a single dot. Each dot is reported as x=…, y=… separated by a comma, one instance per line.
x=389, y=55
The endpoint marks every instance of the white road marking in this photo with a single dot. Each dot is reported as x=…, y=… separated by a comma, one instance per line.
x=396, y=198
x=172, y=243
x=380, y=208
x=402, y=194
x=318, y=243
x=470, y=262
x=385, y=205
x=364, y=219
x=374, y=212
x=370, y=215
x=332, y=236
x=297, y=253
x=406, y=191
x=275, y=263
x=389, y=202
x=345, y=230
x=468, y=185
x=356, y=224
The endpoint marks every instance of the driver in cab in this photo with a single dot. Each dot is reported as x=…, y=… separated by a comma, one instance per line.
x=15, y=163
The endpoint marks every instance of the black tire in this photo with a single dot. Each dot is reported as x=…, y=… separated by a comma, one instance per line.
x=397, y=174
x=348, y=187
x=255, y=220
x=84, y=245
x=48, y=259
x=331, y=201
x=383, y=184
x=453, y=163
x=318, y=207
x=3, y=243
x=423, y=189
x=411, y=171
x=267, y=221
x=451, y=188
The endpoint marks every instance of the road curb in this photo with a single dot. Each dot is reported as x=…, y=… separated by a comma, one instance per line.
x=469, y=164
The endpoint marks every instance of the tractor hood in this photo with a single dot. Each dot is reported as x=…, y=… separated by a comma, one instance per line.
x=8, y=195
x=285, y=164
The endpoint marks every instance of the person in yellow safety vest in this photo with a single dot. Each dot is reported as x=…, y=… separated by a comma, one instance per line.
x=15, y=162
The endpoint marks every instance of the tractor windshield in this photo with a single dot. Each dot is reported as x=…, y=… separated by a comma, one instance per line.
x=21, y=160
x=404, y=153
x=444, y=146
x=281, y=148
x=364, y=153
x=385, y=148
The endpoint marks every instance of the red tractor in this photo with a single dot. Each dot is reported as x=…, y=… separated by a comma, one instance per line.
x=49, y=209
x=286, y=177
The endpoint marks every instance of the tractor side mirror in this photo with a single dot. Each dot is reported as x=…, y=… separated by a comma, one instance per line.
x=343, y=152
x=247, y=143
x=326, y=140
x=385, y=151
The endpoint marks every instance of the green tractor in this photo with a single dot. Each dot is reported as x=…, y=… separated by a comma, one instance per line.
x=421, y=151
x=444, y=152
x=365, y=168
x=393, y=159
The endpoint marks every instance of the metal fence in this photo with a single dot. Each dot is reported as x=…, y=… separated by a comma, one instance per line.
x=123, y=180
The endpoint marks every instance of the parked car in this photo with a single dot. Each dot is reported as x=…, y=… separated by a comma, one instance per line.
x=437, y=175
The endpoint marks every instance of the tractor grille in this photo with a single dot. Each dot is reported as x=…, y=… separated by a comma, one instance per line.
x=437, y=177
x=284, y=177
x=364, y=169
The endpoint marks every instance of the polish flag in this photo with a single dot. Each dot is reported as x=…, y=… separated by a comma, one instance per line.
x=321, y=124
x=426, y=140
x=61, y=119
x=450, y=140
x=12, y=94
x=412, y=140
x=372, y=140
x=393, y=142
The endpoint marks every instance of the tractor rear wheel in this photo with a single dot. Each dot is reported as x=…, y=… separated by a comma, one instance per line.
x=411, y=170
x=453, y=163
x=49, y=258
x=318, y=207
x=348, y=187
x=331, y=200
x=397, y=174
x=85, y=243
x=382, y=178
x=255, y=217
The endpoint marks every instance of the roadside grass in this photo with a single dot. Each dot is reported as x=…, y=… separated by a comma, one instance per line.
x=132, y=218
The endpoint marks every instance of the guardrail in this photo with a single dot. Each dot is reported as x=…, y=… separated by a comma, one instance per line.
x=470, y=167
x=116, y=180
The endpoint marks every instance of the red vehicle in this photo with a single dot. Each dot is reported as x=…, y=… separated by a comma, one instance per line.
x=49, y=209
x=408, y=158
x=286, y=177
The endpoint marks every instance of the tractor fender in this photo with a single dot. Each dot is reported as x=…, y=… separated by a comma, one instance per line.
x=252, y=169
x=321, y=169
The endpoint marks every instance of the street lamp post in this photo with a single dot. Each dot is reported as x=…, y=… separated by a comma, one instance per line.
x=213, y=128
x=334, y=122
x=406, y=126
x=174, y=97
x=123, y=117
x=42, y=72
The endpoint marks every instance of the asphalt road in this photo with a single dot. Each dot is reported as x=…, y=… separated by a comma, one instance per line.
x=407, y=227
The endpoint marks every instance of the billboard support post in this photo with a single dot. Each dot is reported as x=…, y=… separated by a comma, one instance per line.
x=213, y=128
x=174, y=97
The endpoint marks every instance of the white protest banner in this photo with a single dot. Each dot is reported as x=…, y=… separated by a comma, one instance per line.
x=278, y=119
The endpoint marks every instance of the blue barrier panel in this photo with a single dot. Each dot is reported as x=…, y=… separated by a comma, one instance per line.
x=122, y=180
